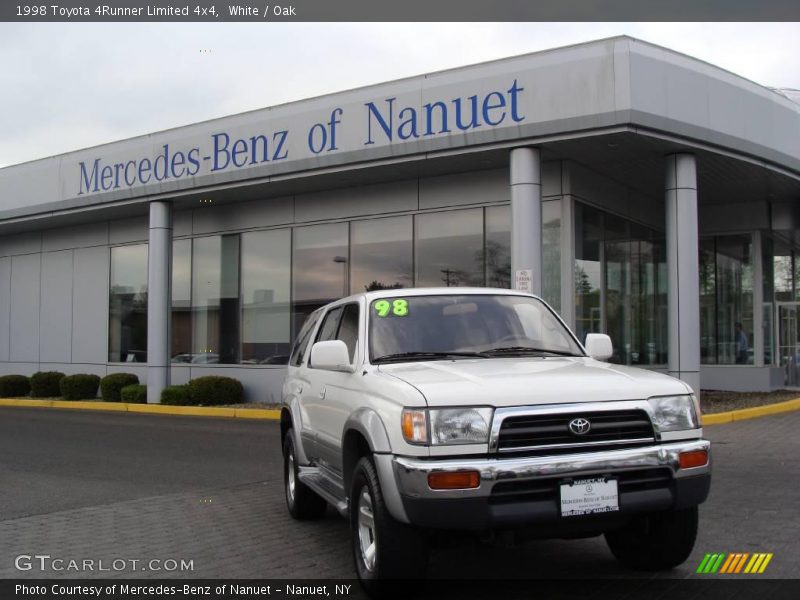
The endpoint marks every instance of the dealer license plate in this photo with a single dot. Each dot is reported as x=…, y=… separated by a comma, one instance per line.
x=589, y=496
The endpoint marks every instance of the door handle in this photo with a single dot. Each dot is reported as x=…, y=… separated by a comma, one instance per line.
x=322, y=393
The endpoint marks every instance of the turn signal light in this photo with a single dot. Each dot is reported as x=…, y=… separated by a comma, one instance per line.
x=454, y=480
x=695, y=458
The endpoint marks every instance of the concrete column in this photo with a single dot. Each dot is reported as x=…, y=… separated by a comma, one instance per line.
x=683, y=295
x=159, y=295
x=526, y=215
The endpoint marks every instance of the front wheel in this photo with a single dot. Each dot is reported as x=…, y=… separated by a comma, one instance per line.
x=655, y=542
x=383, y=548
x=303, y=504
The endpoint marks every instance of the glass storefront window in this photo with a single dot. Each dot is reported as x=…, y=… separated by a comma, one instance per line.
x=588, y=269
x=726, y=300
x=381, y=254
x=320, y=264
x=215, y=300
x=708, y=302
x=551, y=253
x=734, y=300
x=127, y=312
x=266, y=287
x=498, y=246
x=635, y=293
x=181, y=301
x=449, y=248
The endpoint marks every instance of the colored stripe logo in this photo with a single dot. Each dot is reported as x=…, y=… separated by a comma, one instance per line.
x=734, y=563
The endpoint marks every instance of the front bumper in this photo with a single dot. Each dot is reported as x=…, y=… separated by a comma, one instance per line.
x=525, y=491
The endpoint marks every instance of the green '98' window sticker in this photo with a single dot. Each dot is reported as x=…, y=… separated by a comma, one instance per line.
x=386, y=308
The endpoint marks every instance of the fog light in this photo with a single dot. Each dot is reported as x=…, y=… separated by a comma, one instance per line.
x=695, y=458
x=454, y=480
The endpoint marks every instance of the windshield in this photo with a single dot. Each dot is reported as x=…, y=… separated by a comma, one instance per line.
x=452, y=326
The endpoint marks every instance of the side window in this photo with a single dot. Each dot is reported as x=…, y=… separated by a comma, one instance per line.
x=348, y=330
x=330, y=324
x=300, y=345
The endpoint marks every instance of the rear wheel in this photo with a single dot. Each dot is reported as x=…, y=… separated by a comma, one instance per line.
x=303, y=504
x=383, y=548
x=655, y=542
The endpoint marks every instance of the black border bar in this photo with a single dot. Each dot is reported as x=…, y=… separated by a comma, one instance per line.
x=107, y=11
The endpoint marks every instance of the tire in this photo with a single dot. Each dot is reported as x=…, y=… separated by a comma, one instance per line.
x=303, y=504
x=383, y=548
x=655, y=542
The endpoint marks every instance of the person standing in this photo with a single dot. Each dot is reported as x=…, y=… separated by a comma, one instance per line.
x=741, y=344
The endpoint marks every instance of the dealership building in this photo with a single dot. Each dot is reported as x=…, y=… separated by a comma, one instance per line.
x=641, y=192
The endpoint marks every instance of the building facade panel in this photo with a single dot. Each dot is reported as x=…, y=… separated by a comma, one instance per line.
x=245, y=215
x=124, y=231
x=55, y=338
x=25, y=303
x=5, y=308
x=78, y=236
x=366, y=200
x=464, y=188
x=90, y=306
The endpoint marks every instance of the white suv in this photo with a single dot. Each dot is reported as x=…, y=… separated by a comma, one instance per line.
x=477, y=409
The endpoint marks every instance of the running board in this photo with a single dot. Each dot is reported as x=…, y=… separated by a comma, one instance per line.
x=324, y=487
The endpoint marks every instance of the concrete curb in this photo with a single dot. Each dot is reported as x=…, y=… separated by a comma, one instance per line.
x=274, y=415
x=157, y=409
x=751, y=413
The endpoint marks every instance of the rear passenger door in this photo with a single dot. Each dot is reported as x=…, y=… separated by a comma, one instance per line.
x=334, y=402
x=298, y=382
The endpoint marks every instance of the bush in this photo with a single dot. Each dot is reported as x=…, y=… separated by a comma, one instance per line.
x=79, y=387
x=214, y=389
x=134, y=394
x=14, y=385
x=111, y=385
x=175, y=395
x=46, y=384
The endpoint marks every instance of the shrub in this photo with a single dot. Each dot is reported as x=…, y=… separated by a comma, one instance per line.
x=134, y=394
x=46, y=384
x=14, y=385
x=79, y=387
x=214, y=389
x=175, y=395
x=111, y=385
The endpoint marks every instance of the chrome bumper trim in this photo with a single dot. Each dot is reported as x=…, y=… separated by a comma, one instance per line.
x=412, y=474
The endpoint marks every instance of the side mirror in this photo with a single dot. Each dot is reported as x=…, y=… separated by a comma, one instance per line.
x=330, y=356
x=598, y=346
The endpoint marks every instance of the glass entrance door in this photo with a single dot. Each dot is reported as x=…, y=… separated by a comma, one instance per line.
x=789, y=341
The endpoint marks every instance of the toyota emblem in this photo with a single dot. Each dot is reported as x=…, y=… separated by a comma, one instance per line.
x=580, y=426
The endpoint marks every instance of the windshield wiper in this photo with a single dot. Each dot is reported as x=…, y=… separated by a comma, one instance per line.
x=526, y=350
x=400, y=356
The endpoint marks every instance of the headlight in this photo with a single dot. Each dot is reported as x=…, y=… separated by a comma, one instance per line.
x=460, y=426
x=444, y=426
x=674, y=413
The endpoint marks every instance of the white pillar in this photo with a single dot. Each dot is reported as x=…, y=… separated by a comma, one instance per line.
x=683, y=295
x=526, y=216
x=159, y=283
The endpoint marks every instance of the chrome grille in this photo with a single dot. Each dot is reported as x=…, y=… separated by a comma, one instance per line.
x=551, y=431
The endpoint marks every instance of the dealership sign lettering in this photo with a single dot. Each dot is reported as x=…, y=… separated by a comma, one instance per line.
x=384, y=121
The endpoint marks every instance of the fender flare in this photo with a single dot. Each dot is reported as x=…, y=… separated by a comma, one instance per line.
x=369, y=424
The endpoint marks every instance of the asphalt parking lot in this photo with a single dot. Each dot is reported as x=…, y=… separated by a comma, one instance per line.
x=105, y=486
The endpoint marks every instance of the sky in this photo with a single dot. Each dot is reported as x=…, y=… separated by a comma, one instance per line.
x=67, y=86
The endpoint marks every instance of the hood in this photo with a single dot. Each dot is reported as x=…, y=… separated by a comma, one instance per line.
x=525, y=381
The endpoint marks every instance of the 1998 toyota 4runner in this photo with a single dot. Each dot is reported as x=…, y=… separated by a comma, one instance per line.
x=475, y=409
